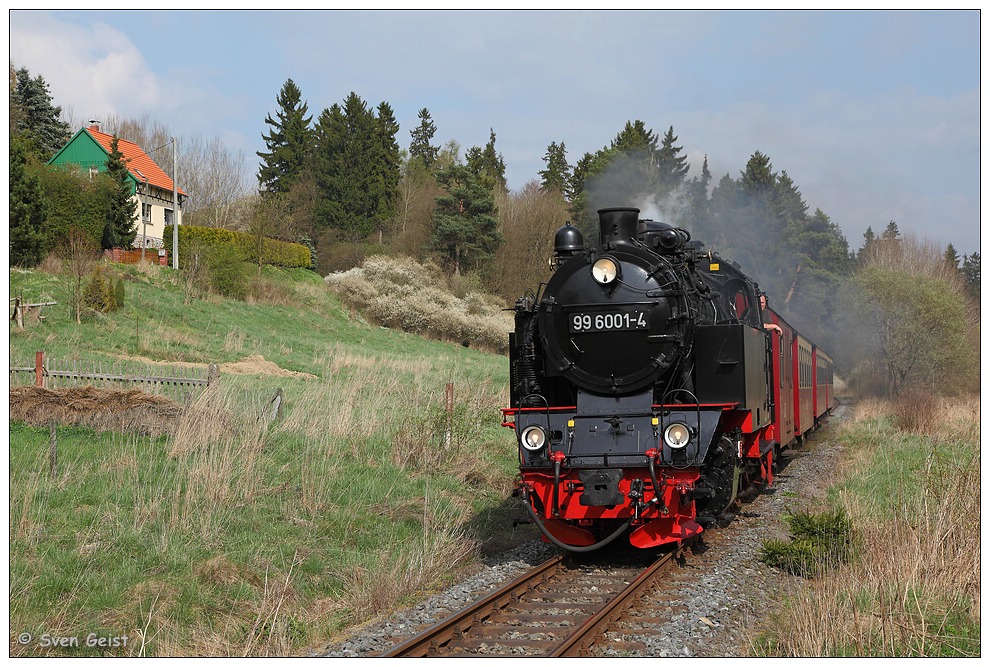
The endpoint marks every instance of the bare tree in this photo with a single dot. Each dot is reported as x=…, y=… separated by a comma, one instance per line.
x=151, y=135
x=216, y=181
x=528, y=222
x=418, y=190
x=81, y=253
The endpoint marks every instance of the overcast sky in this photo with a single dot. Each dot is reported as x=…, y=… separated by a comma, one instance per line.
x=874, y=115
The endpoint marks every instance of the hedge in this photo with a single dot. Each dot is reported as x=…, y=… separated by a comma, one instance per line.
x=276, y=253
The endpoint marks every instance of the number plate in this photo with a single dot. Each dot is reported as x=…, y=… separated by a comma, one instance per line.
x=629, y=320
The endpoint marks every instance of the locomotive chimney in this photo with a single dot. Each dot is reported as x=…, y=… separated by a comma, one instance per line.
x=618, y=225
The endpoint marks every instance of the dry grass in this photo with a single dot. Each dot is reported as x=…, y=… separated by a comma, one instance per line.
x=409, y=567
x=262, y=290
x=218, y=448
x=914, y=589
x=52, y=263
x=234, y=341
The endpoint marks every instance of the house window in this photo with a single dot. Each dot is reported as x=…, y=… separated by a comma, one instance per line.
x=146, y=212
x=168, y=216
x=93, y=171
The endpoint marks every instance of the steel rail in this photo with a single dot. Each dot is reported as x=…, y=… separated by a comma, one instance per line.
x=578, y=642
x=453, y=626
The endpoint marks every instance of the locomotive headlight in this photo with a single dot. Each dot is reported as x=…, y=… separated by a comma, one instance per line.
x=676, y=435
x=605, y=270
x=533, y=438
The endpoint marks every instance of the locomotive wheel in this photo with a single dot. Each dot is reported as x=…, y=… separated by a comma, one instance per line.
x=715, y=490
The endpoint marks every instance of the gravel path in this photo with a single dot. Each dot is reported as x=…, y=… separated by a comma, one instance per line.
x=721, y=606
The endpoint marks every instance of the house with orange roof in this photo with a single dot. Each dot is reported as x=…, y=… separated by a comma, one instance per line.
x=151, y=187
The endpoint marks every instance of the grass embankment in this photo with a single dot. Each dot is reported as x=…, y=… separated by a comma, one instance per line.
x=911, y=491
x=229, y=537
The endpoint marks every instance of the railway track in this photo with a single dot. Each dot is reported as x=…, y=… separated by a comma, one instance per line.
x=560, y=608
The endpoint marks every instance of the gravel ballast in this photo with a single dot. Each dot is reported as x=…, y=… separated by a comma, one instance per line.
x=724, y=601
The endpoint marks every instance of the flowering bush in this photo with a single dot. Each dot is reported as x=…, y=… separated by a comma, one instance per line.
x=399, y=293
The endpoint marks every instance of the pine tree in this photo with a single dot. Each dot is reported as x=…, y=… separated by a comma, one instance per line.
x=466, y=226
x=120, y=230
x=28, y=208
x=420, y=147
x=556, y=177
x=37, y=119
x=289, y=142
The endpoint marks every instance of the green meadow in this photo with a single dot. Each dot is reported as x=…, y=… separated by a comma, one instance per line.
x=231, y=535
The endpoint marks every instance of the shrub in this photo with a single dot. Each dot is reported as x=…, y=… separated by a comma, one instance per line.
x=817, y=541
x=103, y=293
x=274, y=252
x=215, y=268
x=400, y=293
x=227, y=271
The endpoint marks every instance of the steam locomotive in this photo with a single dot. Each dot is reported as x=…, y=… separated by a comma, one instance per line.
x=650, y=389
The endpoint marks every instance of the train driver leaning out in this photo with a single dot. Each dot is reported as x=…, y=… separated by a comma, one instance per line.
x=769, y=326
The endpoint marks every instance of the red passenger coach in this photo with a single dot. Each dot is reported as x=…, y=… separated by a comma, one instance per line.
x=824, y=398
x=781, y=354
x=804, y=390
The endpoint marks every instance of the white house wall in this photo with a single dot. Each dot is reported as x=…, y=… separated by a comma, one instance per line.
x=159, y=200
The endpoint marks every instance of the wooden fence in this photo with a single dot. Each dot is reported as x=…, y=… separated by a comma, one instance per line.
x=181, y=383
x=152, y=255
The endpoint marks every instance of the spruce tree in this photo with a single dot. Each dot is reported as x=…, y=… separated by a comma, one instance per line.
x=356, y=167
x=28, y=208
x=120, y=230
x=37, y=119
x=636, y=138
x=868, y=247
x=758, y=177
x=971, y=272
x=487, y=165
x=698, y=218
x=589, y=171
x=891, y=232
x=289, y=142
x=672, y=168
x=621, y=174
x=951, y=256
x=388, y=165
x=420, y=148
x=556, y=177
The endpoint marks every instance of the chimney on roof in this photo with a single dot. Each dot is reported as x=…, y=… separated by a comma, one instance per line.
x=94, y=125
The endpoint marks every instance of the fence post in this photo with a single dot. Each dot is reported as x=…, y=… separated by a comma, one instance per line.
x=448, y=436
x=52, y=450
x=212, y=375
x=39, y=369
x=18, y=312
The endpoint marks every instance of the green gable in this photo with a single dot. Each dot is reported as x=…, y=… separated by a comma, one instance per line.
x=85, y=152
